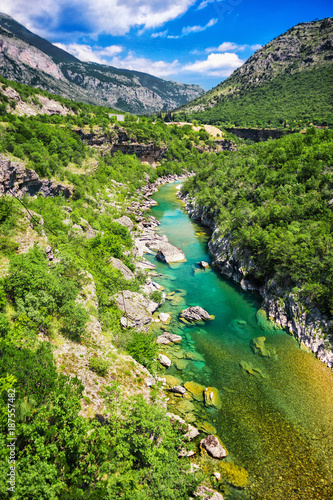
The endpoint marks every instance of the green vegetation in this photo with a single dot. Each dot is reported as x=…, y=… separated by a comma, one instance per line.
x=274, y=198
x=98, y=365
x=289, y=99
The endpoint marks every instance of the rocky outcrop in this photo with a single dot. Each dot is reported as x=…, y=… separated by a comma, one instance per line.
x=137, y=308
x=16, y=179
x=285, y=307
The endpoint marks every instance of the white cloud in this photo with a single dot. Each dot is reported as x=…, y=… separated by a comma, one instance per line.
x=114, y=17
x=204, y=4
x=86, y=53
x=161, y=69
x=196, y=29
x=232, y=47
x=160, y=34
x=216, y=64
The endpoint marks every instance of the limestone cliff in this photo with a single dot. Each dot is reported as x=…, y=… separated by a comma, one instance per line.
x=302, y=318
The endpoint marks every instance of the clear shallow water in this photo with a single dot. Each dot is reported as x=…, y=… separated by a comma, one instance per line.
x=278, y=424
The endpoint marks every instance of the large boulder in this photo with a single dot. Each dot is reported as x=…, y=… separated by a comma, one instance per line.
x=138, y=309
x=169, y=253
x=195, y=313
x=213, y=446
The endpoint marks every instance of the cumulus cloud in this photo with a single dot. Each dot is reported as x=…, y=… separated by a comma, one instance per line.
x=114, y=17
x=87, y=53
x=216, y=64
x=204, y=4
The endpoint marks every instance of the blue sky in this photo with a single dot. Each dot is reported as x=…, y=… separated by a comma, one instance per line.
x=190, y=41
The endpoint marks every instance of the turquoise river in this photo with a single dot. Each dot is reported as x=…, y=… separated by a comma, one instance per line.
x=276, y=417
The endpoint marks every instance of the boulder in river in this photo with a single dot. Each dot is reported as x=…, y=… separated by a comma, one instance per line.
x=212, y=397
x=196, y=390
x=195, y=313
x=213, y=446
x=204, y=264
x=169, y=253
x=164, y=360
x=168, y=338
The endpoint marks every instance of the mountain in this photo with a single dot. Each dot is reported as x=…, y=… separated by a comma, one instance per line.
x=27, y=58
x=288, y=80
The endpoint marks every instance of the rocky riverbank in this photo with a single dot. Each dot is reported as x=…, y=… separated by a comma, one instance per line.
x=283, y=306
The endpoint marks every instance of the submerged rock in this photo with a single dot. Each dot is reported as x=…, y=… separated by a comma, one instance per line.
x=214, y=447
x=258, y=346
x=212, y=397
x=234, y=474
x=196, y=390
x=195, y=313
x=248, y=368
x=172, y=381
x=207, y=428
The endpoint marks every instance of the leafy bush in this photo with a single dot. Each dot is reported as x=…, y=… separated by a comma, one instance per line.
x=143, y=348
x=156, y=296
x=98, y=365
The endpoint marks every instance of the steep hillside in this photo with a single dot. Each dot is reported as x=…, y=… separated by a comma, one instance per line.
x=29, y=59
x=288, y=80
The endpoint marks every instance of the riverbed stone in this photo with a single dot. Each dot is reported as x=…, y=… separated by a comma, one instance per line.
x=207, y=427
x=213, y=446
x=258, y=347
x=181, y=364
x=194, y=356
x=195, y=313
x=204, y=264
x=234, y=474
x=212, y=397
x=197, y=390
x=248, y=368
x=178, y=389
x=171, y=380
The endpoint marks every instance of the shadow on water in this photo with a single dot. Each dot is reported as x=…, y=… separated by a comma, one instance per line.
x=276, y=418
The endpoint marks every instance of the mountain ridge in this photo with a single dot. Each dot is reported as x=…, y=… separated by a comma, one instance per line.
x=279, y=69
x=29, y=59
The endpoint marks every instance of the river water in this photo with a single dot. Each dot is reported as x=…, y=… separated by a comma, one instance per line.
x=276, y=419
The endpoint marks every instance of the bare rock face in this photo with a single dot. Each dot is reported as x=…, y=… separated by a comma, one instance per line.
x=195, y=313
x=125, y=221
x=214, y=447
x=138, y=309
x=207, y=493
x=125, y=271
x=16, y=179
